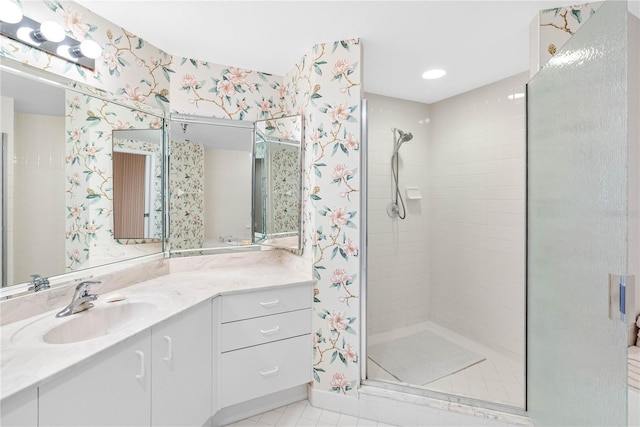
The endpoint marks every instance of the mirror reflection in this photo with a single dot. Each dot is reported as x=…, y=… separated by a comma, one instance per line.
x=58, y=196
x=277, y=182
x=210, y=183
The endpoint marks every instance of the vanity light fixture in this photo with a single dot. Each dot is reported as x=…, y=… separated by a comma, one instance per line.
x=51, y=38
x=436, y=73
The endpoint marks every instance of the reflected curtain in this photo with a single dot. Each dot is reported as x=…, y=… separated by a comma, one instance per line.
x=128, y=195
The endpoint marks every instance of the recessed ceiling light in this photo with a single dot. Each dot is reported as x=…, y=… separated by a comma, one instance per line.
x=433, y=74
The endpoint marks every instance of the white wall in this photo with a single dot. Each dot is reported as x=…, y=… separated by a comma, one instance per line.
x=476, y=206
x=39, y=220
x=398, y=287
x=6, y=126
x=221, y=192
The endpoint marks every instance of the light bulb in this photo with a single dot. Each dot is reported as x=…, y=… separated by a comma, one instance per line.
x=24, y=34
x=91, y=49
x=66, y=52
x=87, y=48
x=10, y=12
x=52, y=31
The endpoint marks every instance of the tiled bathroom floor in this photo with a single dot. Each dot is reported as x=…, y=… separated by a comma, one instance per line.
x=497, y=379
x=303, y=414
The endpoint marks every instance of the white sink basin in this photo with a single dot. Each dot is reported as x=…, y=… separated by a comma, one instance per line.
x=98, y=321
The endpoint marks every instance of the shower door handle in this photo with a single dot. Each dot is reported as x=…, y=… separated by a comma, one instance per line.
x=621, y=297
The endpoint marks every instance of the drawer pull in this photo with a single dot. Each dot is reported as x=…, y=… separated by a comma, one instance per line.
x=270, y=373
x=270, y=331
x=169, y=342
x=141, y=360
x=270, y=303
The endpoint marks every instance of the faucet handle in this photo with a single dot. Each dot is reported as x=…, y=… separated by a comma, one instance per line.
x=83, y=287
x=38, y=283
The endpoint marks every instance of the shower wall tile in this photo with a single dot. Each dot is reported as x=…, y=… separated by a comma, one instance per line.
x=476, y=208
x=398, y=288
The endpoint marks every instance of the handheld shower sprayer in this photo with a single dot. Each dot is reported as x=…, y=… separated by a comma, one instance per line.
x=395, y=209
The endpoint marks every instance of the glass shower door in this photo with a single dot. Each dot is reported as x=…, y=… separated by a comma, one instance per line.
x=577, y=226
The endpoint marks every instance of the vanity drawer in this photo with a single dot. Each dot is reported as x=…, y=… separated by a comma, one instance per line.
x=264, y=369
x=260, y=330
x=262, y=303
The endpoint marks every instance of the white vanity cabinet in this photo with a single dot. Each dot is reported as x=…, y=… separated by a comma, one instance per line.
x=265, y=342
x=20, y=410
x=181, y=369
x=111, y=389
x=160, y=377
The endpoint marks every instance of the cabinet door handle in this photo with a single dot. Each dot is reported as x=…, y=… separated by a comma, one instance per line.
x=270, y=303
x=269, y=373
x=141, y=359
x=169, y=349
x=270, y=331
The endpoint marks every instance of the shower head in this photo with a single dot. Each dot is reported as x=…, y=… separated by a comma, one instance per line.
x=404, y=137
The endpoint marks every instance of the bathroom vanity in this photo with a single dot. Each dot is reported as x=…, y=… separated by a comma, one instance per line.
x=191, y=347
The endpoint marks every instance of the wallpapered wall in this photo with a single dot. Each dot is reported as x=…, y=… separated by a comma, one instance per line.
x=552, y=28
x=186, y=198
x=324, y=86
x=284, y=203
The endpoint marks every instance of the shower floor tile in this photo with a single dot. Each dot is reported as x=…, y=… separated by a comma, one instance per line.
x=497, y=379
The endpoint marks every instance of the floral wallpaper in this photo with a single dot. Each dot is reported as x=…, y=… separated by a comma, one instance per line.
x=89, y=124
x=557, y=25
x=186, y=195
x=325, y=86
x=213, y=90
x=130, y=68
x=284, y=169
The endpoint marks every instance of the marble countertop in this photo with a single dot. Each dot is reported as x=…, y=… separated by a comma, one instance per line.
x=26, y=360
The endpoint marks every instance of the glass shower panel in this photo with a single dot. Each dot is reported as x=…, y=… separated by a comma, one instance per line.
x=577, y=226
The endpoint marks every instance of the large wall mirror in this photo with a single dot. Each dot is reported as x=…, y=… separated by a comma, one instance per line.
x=209, y=184
x=62, y=195
x=278, y=182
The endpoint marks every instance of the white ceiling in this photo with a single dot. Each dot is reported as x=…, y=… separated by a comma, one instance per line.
x=476, y=41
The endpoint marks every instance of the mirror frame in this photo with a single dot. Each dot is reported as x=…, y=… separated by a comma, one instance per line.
x=299, y=250
x=11, y=66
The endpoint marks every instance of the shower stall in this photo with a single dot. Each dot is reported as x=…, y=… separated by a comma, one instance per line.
x=446, y=237
x=448, y=312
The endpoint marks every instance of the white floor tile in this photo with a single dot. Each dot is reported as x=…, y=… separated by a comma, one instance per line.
x=347, y=421
x=329, y=417
x=311, y=413
x=362, y=422
x=270, y=417
x=295, y=408
x=305, y=422
x=288, y=420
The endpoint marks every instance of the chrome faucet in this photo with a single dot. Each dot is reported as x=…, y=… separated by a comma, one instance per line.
x=38, y=283
x=81, y=299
